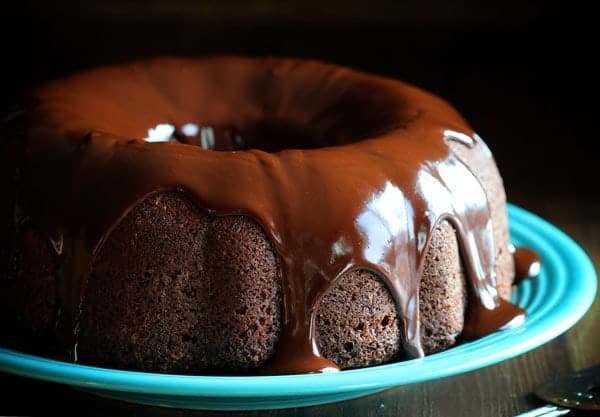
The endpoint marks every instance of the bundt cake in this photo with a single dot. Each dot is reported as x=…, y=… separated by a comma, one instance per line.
x=240, y=215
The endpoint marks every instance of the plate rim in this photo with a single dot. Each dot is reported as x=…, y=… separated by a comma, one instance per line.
x=522, y=223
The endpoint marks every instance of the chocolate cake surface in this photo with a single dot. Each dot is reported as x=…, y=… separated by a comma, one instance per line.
x=234, y=215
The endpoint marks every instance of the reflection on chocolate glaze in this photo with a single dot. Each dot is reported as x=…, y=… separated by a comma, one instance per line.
x=341, y=169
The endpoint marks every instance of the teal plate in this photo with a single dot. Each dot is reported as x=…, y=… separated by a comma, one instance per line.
x=555, y=301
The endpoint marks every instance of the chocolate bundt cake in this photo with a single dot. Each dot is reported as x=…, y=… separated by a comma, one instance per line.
x=235, y=215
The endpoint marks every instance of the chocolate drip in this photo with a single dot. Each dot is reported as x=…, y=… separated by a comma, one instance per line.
x=383, y=177
x=527, y=264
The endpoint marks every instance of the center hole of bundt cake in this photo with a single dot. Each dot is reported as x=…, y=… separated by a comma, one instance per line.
x=345, y=123
x=268, y=136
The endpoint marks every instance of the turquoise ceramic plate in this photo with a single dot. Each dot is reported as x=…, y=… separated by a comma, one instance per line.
x=555, y=300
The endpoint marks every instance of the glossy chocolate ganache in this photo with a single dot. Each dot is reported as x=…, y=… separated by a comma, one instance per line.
x=342, y=170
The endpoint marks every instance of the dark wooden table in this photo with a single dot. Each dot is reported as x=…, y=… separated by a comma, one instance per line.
x=520, y=76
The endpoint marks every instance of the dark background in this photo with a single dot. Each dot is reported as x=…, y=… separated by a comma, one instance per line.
x=522, y=75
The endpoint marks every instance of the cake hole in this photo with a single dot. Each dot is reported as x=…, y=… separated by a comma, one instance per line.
x=348, y=346
x=386, y=321
x=320, y=115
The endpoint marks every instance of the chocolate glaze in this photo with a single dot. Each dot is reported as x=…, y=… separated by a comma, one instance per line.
x=527, y=263
x=341, y=169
